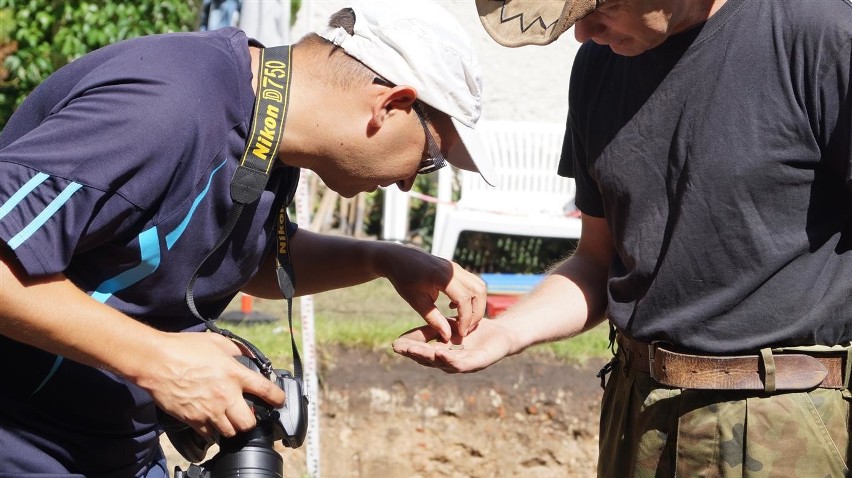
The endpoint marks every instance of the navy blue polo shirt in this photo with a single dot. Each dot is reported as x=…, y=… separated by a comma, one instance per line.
x=116, y=172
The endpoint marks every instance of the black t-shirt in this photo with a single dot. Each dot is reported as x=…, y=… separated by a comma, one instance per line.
x=721, y=162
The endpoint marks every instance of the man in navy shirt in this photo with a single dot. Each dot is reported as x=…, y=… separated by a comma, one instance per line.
x=115, y=185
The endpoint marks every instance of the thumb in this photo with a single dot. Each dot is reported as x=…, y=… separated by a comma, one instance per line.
x=438, y=322
x=227, y=345
x=424, y=333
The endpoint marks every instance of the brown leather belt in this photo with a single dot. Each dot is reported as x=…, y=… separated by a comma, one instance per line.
x=787, y=370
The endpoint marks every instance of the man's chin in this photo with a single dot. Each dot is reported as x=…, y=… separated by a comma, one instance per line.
x=631, y=47
x=349, y=194
x=627, y=53
x=349, y=190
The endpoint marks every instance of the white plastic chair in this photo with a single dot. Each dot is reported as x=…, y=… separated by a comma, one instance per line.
x=530, y=199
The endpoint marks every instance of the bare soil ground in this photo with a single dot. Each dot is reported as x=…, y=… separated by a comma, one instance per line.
x=383, y=416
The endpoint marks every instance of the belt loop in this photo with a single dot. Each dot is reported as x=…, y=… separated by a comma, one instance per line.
x=768, y=370
x=847, y=367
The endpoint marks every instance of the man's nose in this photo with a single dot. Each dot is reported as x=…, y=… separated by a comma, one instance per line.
x=406, y=184
x=588, y=27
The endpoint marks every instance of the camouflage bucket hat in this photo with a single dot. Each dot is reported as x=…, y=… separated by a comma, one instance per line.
x=515, y=23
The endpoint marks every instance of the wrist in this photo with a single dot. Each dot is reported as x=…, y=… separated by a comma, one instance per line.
x=378, y=258
x=133, y=361
x=516, y=337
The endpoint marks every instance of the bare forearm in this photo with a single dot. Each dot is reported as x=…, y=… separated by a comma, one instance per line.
x=570, y=300
x=54, y=315
x=194, y=377
x=324, y=262
x=321, y=262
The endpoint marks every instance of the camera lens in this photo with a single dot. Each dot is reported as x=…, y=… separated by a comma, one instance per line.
x=249, y=455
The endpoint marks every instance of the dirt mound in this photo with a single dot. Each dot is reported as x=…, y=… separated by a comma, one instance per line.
x=383, y=416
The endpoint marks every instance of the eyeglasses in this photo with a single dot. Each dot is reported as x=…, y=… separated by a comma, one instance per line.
x=436, y=159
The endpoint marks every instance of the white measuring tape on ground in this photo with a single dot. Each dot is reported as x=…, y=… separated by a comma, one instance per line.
x=309, y=355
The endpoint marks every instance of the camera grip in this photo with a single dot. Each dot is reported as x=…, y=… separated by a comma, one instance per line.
x=293, y=416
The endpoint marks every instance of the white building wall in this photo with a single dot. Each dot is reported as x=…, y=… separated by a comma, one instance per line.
x=519, y=84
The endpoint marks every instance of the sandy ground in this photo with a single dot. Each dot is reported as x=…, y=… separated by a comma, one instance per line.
x=382, y=416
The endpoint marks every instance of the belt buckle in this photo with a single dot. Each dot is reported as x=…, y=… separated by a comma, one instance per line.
x=652, y=350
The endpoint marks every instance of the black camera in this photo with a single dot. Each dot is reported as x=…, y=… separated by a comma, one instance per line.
x=248, y=454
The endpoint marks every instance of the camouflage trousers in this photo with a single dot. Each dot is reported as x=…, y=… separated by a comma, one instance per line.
x=648, y=430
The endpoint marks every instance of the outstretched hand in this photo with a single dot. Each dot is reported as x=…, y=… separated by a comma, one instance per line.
x=420, y=277
x=486, y=344
x=198, y=381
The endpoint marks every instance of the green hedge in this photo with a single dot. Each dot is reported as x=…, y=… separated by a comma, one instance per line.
x=509, y=254
x=39, y=36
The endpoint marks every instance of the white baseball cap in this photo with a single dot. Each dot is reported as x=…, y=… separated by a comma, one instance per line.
x=419, y=44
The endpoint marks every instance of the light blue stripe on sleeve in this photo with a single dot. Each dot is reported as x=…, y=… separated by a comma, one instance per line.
x=149, y=248
x=42, y=218
x=172, y=237
x=22, y=193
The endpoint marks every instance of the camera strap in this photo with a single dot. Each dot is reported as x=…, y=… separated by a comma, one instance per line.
x=249, y=181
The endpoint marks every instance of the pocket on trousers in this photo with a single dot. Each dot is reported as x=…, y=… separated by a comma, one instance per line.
x=798, y=434
x=710, y=434
x=729, y=434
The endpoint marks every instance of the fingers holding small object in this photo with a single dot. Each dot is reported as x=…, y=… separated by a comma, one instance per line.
x=455, y=342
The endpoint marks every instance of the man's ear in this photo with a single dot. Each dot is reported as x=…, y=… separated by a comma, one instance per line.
x=389, y=100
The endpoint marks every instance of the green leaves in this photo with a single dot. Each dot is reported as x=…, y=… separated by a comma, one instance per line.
x=39, y=36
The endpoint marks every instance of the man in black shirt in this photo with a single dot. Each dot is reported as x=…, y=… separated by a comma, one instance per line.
x=710, y=143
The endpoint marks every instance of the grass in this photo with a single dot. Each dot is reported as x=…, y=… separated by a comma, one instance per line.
x=371, y=316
